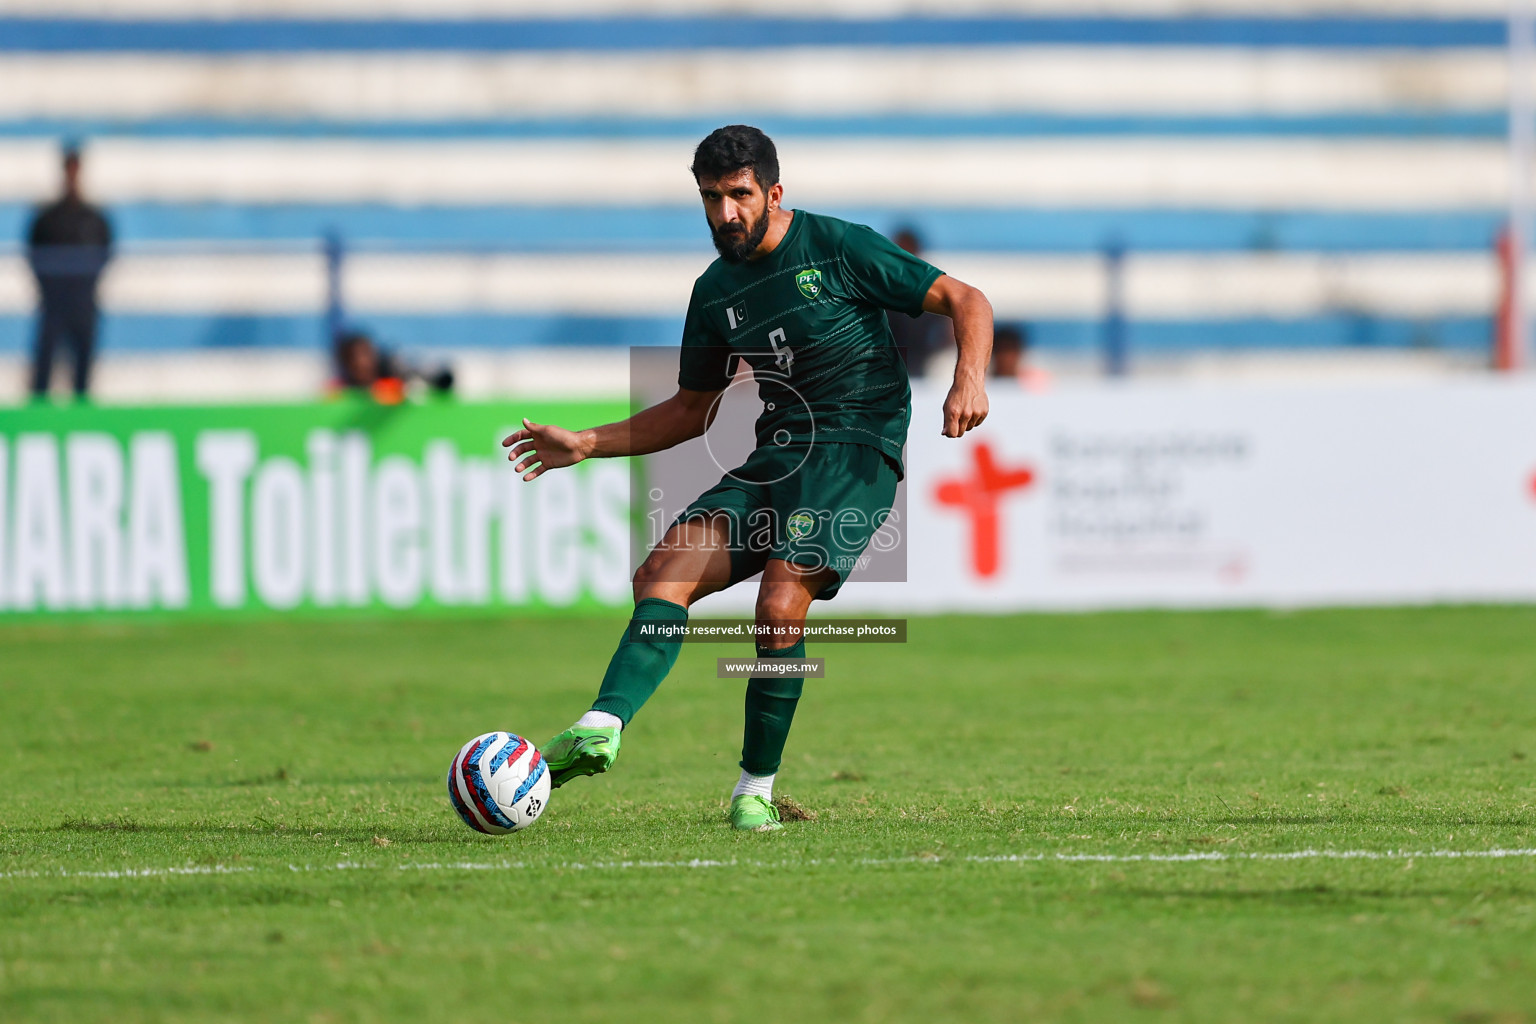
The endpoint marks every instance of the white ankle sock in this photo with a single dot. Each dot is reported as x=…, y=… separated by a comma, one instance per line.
x=757, y=785
x=599, y=720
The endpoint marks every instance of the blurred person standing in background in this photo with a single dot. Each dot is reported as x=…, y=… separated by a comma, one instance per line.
x=68, y=245
x=1010, y=350
x=918, y=338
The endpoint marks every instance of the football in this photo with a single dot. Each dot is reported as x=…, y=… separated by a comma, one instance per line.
x=498, y=783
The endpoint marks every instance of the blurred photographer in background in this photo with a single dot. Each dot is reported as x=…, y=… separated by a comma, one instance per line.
x=362, y=366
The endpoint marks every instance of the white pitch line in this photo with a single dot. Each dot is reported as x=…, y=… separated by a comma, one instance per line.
x=212, y=869
x=630, y=865
x=1179, y=858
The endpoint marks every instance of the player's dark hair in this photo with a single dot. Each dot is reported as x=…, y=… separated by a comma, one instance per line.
x=727, y=150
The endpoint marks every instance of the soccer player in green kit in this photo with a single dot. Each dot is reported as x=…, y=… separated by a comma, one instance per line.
x=801, y=299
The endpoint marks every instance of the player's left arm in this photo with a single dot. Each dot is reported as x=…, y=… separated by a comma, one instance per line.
x=966, y=406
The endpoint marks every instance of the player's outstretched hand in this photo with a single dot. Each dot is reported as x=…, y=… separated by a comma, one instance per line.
x=543, y=446
x=965, y=407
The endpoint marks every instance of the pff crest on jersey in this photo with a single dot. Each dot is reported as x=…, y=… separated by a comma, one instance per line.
x=809, y=283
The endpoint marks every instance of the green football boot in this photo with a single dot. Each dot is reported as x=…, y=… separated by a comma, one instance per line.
x=577, y=752
x=751, y=813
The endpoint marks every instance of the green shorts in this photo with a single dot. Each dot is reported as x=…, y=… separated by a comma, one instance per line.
x=812, y=505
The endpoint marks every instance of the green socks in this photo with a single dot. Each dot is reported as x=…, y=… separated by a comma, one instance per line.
x=645, y=656
x=647, y=653
x=770, y=710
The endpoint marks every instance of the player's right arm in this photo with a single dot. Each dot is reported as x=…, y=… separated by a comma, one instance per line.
x=543, y=446
x=705, y=367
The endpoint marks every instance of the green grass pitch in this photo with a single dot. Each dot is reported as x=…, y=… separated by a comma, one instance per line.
x=291, y=775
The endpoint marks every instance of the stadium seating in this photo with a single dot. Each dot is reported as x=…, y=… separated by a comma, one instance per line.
x=1285, y=175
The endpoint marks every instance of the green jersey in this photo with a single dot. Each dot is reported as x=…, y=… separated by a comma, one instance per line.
x=809, y=318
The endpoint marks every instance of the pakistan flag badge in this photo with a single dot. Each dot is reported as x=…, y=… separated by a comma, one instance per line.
x=809, y=283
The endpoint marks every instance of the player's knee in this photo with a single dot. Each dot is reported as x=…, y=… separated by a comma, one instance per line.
x=780, y=610
x=645, y=580
x=648, y=573
x=652, y=579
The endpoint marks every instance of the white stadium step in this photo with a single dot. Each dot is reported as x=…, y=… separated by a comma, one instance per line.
x=1164, y=171
x=298, y=375
x=1156, y=286
x=816, y=82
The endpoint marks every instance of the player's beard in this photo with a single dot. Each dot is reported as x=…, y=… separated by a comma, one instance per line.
x=734, y=243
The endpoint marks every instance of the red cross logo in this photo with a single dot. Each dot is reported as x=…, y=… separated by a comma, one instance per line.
x=979, y=496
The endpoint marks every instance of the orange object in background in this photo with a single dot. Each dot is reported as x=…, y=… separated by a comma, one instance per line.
x=388, y=390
